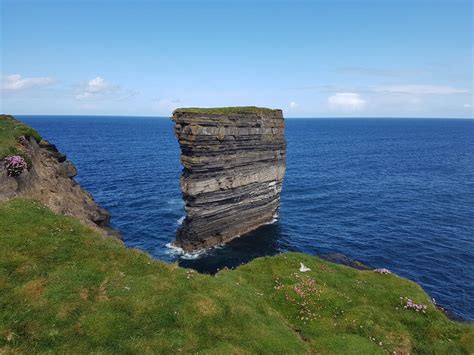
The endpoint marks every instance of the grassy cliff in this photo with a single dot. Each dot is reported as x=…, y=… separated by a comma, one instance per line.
x=10, y=130
x=237, y=110
x=64, y=288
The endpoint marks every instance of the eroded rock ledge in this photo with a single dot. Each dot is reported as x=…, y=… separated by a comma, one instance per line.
x=234, y=163
x=50, y=180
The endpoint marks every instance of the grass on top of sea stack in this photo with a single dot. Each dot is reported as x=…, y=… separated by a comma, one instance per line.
x=10, y=130
x=66, y=289
x=238, y=110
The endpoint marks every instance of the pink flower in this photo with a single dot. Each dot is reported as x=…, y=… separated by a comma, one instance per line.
x=15, y=165
x=417, y=307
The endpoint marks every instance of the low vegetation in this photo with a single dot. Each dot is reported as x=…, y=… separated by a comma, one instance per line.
x=66, y=289
x=226, y=110
x=10, y=131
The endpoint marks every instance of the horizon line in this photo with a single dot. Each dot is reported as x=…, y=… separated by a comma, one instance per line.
x=286, y=117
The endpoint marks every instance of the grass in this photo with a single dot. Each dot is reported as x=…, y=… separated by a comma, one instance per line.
x=10, y=130
x=64, y=288
x=226, y=110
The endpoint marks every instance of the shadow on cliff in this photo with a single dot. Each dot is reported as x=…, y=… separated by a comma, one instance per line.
x=264, y=241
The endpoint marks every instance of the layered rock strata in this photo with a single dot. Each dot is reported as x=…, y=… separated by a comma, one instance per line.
x=233, y=167
x=50, y=180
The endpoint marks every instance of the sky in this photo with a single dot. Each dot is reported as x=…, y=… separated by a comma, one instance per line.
x=353, y=58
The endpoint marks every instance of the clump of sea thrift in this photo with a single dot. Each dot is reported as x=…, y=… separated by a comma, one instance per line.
x=15, y=165
x=304, y=295
x=410, y=304
x=383, y=271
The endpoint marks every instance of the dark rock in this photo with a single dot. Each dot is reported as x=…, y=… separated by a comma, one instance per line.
x=48, y=146
x=100, y=216
x=61, y=157
x=52, y=150
x=234, y=165
x=342, y=259
x=67, y=169
x=23, y=141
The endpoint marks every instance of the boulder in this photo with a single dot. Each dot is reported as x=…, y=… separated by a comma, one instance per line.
x=67, y=169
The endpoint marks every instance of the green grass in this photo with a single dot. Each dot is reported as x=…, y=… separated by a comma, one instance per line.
x=10, y=131
x=64, y=288
x=226, y=110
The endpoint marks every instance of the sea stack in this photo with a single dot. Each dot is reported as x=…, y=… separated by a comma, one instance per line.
x=233, y=166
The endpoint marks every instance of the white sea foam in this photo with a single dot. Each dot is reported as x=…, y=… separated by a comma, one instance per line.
x=177, y=251
x=274, y=220
x=194, y=255
x=173, y=249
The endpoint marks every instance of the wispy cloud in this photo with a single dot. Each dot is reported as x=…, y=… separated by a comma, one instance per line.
x=293, y=105
x=414, y=89
x=346, y=101
x=16, y=82
x=167, y=104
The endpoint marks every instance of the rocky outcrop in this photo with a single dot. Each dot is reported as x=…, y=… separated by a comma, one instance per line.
x=234, y=163
x=50, y=180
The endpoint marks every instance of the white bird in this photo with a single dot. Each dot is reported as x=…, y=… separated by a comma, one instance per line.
x=303, y=268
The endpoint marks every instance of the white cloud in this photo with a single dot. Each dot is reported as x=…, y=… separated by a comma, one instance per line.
x=16, y=82
x=97, y=84
x=293, y=105
x=467, y=105
x=95, y=87
x=167, y=104
x=346, y=101
x=414, y=89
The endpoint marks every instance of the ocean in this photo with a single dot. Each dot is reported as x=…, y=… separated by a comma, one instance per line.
x=393, y=193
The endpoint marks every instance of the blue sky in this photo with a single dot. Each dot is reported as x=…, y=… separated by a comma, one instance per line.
x=385, y=58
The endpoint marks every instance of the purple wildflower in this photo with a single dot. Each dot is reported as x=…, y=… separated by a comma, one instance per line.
x=417, y=307
x=15, y=165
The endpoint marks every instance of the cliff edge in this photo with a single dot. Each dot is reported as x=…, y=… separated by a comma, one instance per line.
x=66, y=289
x=49, y=177
x=234, y=163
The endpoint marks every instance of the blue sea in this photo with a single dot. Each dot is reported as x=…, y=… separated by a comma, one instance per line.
x=393, y=193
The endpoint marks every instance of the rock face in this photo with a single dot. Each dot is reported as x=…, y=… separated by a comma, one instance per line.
x=50, y=181
x=234, y=163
